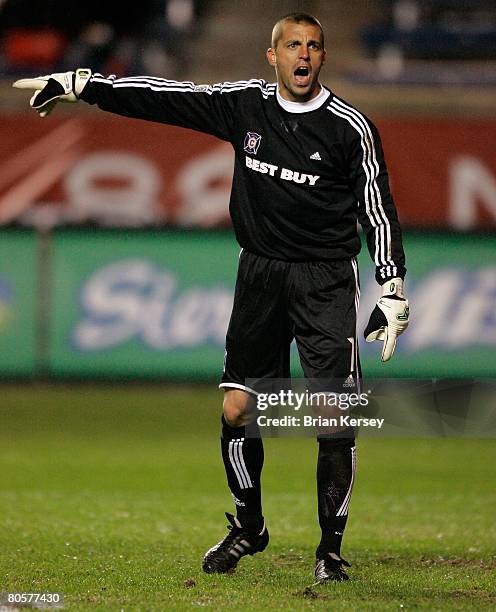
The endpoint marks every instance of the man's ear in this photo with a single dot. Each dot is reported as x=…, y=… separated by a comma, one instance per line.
x=271, y=56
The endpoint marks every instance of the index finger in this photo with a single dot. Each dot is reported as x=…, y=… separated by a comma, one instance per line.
x=36, y=83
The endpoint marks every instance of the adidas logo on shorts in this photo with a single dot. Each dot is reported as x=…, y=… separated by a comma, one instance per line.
x=316, y=155
x=349, y=382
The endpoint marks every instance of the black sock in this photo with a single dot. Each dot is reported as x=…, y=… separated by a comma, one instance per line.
x=243, y=460
x=335, y=475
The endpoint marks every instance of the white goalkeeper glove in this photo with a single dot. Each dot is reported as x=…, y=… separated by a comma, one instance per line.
x=53, y=88
x=389, y=319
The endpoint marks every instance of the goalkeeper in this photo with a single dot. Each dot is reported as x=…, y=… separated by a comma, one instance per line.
x=308, y=168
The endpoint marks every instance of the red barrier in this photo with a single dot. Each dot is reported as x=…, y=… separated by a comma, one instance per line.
x=443, y=172
x=118, y=171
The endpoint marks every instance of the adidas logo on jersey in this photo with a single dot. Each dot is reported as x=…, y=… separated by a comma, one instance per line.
x=316, y=155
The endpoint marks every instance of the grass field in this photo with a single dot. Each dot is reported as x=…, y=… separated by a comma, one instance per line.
x=110, y=496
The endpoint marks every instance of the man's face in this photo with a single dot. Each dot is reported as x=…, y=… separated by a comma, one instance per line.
x=298, y=58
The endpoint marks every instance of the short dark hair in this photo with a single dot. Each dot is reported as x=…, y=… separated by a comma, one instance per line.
x=295, y=18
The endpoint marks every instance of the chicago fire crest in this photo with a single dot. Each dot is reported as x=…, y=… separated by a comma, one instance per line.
x=252, y=142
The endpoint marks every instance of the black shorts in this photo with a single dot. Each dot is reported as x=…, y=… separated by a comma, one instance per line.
x=277, y=301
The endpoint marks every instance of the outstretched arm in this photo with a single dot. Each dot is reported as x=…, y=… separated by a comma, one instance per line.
x=205, y=108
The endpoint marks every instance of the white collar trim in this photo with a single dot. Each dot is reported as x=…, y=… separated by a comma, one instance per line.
x=304, y=107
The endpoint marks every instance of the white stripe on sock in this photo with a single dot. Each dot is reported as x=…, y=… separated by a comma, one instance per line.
x=343, y=510
x=243, y=465
x=234, y=465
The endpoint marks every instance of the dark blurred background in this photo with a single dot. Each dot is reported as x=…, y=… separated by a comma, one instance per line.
x=54, y=36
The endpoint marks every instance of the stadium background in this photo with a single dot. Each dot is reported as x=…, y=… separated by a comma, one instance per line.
x=117, y=266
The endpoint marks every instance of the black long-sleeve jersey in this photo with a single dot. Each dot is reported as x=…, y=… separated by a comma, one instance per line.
x=301, y=180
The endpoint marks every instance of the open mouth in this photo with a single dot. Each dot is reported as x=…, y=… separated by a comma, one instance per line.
x=302, y=76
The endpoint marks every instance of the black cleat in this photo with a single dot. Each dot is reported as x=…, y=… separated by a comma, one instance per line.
x=330, y=569
x=224, y=556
